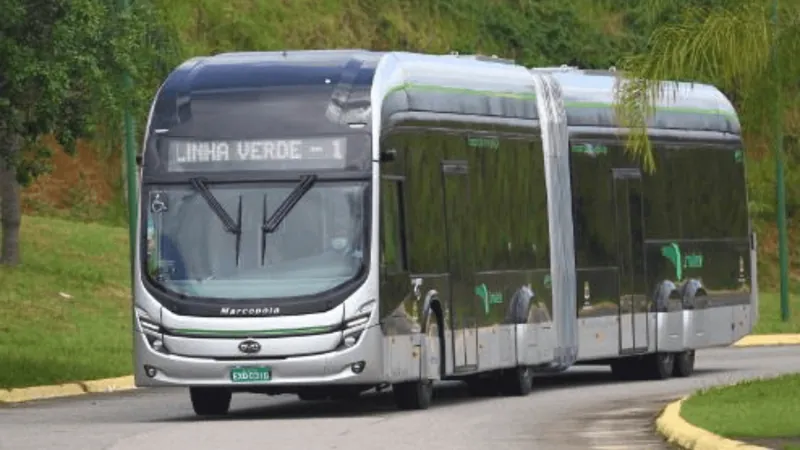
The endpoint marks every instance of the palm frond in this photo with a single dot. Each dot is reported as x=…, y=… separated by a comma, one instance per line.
x=728, y=47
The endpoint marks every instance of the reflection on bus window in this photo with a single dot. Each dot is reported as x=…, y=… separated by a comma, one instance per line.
x=318, y=246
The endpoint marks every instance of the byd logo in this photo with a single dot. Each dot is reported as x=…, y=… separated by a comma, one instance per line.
x=249, y=346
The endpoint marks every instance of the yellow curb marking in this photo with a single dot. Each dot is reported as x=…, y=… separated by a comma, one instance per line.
x=758, y=340
x=679, y=432
x=66, y=390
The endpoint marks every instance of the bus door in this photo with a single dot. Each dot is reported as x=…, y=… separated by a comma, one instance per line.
x=629, y=230
x=459, y=232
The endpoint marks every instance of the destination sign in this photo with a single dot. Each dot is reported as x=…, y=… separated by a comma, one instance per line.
x=281, y=154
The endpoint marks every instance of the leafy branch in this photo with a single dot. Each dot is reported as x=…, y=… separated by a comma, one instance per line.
x=726, y=46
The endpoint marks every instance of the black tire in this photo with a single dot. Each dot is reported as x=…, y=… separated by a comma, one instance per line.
x=413, y=394
x=684, y=364
x=517, y=381
x=659, y=366
x=208, y=401
x=418, y=394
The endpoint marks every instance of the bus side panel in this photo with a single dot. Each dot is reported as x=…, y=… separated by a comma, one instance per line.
x=512, y=250
x=663, y=225
x=413, y=254
x=509, y=299
x=597, y=276
x=710, y=256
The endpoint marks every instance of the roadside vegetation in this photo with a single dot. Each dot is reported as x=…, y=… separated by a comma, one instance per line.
x=769, y=321
x=65, y=313
x=760, y=412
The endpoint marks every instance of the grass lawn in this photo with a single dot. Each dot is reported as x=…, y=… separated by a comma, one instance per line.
x=769, y=321
x=65, y=311
x=763, y=412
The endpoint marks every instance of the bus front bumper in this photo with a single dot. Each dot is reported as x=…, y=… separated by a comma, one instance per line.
x=360, y=364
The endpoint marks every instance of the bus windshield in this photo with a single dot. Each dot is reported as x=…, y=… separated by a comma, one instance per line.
x=255, y=240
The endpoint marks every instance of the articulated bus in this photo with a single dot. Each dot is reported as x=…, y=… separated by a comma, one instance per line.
x=323, y=223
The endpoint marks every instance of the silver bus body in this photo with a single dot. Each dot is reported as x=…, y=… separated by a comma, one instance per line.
x=407, y=328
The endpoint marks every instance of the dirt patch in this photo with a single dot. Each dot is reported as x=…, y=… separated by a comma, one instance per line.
x=88, y=179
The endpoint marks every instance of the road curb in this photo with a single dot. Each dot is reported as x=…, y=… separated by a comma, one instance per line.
x=125, y=383
x=766, y=340
x=686, y=436
x=19, y=395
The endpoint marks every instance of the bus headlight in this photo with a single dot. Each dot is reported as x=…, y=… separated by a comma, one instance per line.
x=350, y=340
x=355, y=326
x=151, y=331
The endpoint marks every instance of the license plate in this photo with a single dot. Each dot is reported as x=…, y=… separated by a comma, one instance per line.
x=250, y=374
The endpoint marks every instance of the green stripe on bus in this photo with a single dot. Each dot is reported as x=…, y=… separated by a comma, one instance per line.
x=675, y=109
x=457, y=90
x=248, y=333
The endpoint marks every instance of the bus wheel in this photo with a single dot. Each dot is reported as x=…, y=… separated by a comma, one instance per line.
x=418, y=394
x=413, y=394
x=659, y=366
x=517, y=381
x=684, y=364
x=207, y=401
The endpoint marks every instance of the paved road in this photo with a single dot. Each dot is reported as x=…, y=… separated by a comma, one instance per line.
x=582, y=409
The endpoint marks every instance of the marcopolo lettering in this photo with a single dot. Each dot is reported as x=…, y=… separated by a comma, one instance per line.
x=266, y=311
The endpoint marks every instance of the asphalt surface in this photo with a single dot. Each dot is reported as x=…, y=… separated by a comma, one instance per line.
x=581, y=409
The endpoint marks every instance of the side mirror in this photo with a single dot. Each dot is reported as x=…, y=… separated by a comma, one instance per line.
x=388, y=155
x=139, y=160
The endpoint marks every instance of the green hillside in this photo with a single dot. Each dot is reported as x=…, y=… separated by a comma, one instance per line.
x=540, y=32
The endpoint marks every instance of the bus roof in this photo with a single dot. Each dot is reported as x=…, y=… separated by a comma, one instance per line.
x=415, y=84
x=252, y=70
x=323, y=89
x=589, y=97
x=412, y=84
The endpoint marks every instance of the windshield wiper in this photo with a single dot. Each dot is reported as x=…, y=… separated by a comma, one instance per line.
x=306, y=182
x=227, y=221
x=219, y=210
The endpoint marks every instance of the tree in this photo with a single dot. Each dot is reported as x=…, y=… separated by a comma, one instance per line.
x=60, y=73
x=739, y=46
x=727, y=43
